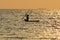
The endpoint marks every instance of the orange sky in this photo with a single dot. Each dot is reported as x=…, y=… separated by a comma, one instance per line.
x=29, y=4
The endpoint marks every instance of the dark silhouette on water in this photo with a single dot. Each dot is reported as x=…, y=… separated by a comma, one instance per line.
x=27, y=19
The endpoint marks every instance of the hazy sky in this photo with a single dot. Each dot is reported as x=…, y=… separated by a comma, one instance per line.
x=29, y=4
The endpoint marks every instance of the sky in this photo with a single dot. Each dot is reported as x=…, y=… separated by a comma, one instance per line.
x=29, y=4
